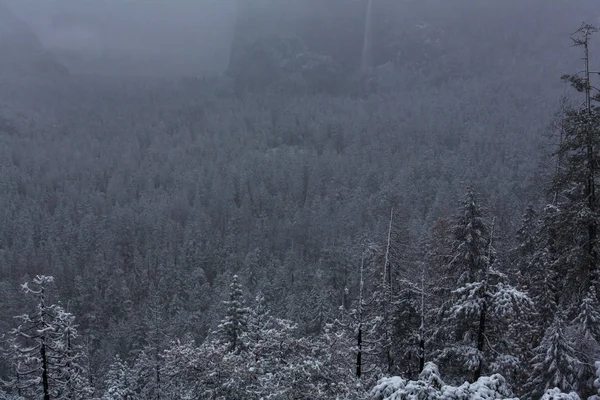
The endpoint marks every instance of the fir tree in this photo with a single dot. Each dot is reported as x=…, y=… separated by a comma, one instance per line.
x=411, y=324
x=44, y=351
x=234, y=326
x=539, y=267
x=575, y=183
x=470, y=259
x=364, y=324
x=555, y=363
x=471, y=246
x=484, y=303
x=119, y=382
x=72, y=379
x=596, y=382
x=588, y=320
x=258, y=319
x=149, y=363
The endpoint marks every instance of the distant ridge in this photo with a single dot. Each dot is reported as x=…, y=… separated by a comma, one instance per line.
x=22, y=53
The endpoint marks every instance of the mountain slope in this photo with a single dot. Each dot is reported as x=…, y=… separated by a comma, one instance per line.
x=21, y=51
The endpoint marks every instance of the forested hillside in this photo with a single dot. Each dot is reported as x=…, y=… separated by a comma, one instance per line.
x=301, y=227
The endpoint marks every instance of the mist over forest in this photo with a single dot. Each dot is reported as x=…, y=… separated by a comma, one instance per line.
x=299, y=199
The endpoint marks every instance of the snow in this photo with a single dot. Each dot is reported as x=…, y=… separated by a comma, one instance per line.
x=556, y=394
x=431, y=387
x=597, y=382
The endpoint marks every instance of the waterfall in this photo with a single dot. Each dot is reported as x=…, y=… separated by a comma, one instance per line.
x=367, y=38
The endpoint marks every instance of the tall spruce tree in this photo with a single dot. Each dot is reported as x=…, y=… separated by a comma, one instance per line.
x=538, y=264
x=44, y=350
x=469, y=261
x=565, y=254
x=575, y=184
x=234, y=326
x=555, y=363
x=119, y=382
x=596, y=382
x=364, y=322
x=483, y=303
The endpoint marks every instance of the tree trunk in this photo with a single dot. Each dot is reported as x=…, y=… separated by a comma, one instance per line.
x=590, y=187
x=45, y=383
x=480, y=340
x=390, y=360
x=422, y=354
x=359, y=354
x=157, y=381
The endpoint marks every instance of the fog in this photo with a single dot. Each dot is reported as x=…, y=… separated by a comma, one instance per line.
x=181, y=37
x=176, y=37
x=299, y=199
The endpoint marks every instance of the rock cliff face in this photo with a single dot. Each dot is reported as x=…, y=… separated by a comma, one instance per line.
x=438, y=40
x=354, y=35
x=302, y=45
x=21, y=51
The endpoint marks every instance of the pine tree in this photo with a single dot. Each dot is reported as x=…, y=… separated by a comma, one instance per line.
x=588, y=319
x=470, y=258
x=364, y=322
x=539, y=267
x=259, y=318
x=8, y=396
x=234, y=326
x=567, y=245
x=575, y=184
x=471, y=245
x=146, y=373
x=149, y=363
x=119, y=382
x=384, y=295
x=555, y=363
x=596, y=382
x=412, y=321
x=44, y=351
x=484, y=303
x=72, y=378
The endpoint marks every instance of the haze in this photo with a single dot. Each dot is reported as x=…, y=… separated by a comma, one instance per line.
x=182, y=37
x=177, y=37
x=299, y=199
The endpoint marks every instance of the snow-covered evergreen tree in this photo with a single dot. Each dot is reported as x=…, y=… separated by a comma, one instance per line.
x=276, y=362
x=148, y=365
x=557, y=394
x=578, y=219
x=72, y=381
x=120, y=382
x=567, y=250
x=484, y=302
x=471, y=251
x=430, y=386
x=234, y=326
x=8, y=396
x=410, y=325
x=539, y=267
x=588, y=320
x=364, y=323
x=596, y=382
x=555, y=364
x=258, y=319
x=44, y=349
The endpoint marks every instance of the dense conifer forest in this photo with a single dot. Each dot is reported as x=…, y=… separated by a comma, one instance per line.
x=371, y=200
